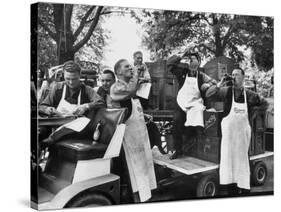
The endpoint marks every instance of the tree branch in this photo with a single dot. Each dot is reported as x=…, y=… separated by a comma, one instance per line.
x=90, y=31
x=47, y=29
x=226, y=37
x=184, y=21
x=83, y=22
x=206, y=19
x=105, y=13
x=117, y=11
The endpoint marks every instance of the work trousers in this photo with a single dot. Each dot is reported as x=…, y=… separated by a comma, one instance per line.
x=180, y=131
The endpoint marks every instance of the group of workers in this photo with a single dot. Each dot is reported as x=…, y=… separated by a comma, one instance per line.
x=194, y=87
x=119, y=89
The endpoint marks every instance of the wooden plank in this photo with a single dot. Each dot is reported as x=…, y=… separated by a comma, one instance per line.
x=185, y=165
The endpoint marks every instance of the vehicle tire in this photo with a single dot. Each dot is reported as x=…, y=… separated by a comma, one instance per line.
x=207, y=186
x=259, y=173
x=89, y=200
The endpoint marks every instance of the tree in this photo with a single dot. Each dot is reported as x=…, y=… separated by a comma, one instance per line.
x=212, y=34
x=262, y=44
x=71, y=27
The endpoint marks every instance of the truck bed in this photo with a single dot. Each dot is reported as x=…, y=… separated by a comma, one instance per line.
x=190, y=165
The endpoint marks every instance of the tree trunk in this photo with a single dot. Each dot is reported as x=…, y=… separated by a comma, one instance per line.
x=219, y=51
x=64, y=56
x=65, y=39
x=218, y=41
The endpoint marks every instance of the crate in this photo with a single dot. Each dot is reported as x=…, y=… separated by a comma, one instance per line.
x=268, y=140
x=208, y=149
x=259, y=142
x=257, y=122
x=157, y=69
x=219, y=66
x=269, y=120
x=212, y=123
x=163, y=93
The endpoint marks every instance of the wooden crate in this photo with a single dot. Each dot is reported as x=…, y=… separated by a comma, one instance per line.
x=217, y=67
x=208, y=149
x=212, y=123
x=257, y=122
x=156, y=95
x=163, y=93
x=268, y=140
x=157, y=69
x=169, y=94
x=259, y=143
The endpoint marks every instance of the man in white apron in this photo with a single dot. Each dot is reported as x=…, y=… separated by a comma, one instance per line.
x=188, y=117
x=236, y=130
x=136, y=140
x=70, y=97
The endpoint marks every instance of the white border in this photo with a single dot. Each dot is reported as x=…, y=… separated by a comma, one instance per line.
x=15, y=51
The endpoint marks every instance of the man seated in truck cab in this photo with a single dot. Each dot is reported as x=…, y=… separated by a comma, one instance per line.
x=236, y=130
x=70, y=98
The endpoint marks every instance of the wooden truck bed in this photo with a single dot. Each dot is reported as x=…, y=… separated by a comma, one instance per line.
x=190, y=165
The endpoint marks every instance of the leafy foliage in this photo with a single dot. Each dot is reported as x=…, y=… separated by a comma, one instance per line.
x=211, y=34
x=65, y=29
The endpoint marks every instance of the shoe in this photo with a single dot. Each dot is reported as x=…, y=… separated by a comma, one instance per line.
x=161, y=150
x=175, y=155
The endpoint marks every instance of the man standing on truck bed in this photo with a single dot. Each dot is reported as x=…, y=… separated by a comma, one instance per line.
x=136, y=140
x=236, y=130
x=190, y=105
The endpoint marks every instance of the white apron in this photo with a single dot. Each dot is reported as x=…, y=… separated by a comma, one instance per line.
x=138, y=153
x=65, y=107
x=189, y=99
x=236, y=136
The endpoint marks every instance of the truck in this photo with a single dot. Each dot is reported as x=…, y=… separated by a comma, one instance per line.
x=75, y=173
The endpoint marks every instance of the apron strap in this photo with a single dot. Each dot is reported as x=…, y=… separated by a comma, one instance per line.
x=233, y=94
x=63, y=92
x=245, y=99
x=79, y=98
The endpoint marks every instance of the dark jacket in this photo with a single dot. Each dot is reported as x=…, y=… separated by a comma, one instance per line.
x=102, y=93
x=225, y=94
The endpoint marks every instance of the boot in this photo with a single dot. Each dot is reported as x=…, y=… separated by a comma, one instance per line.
x=175, y=155
x=161, y=150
